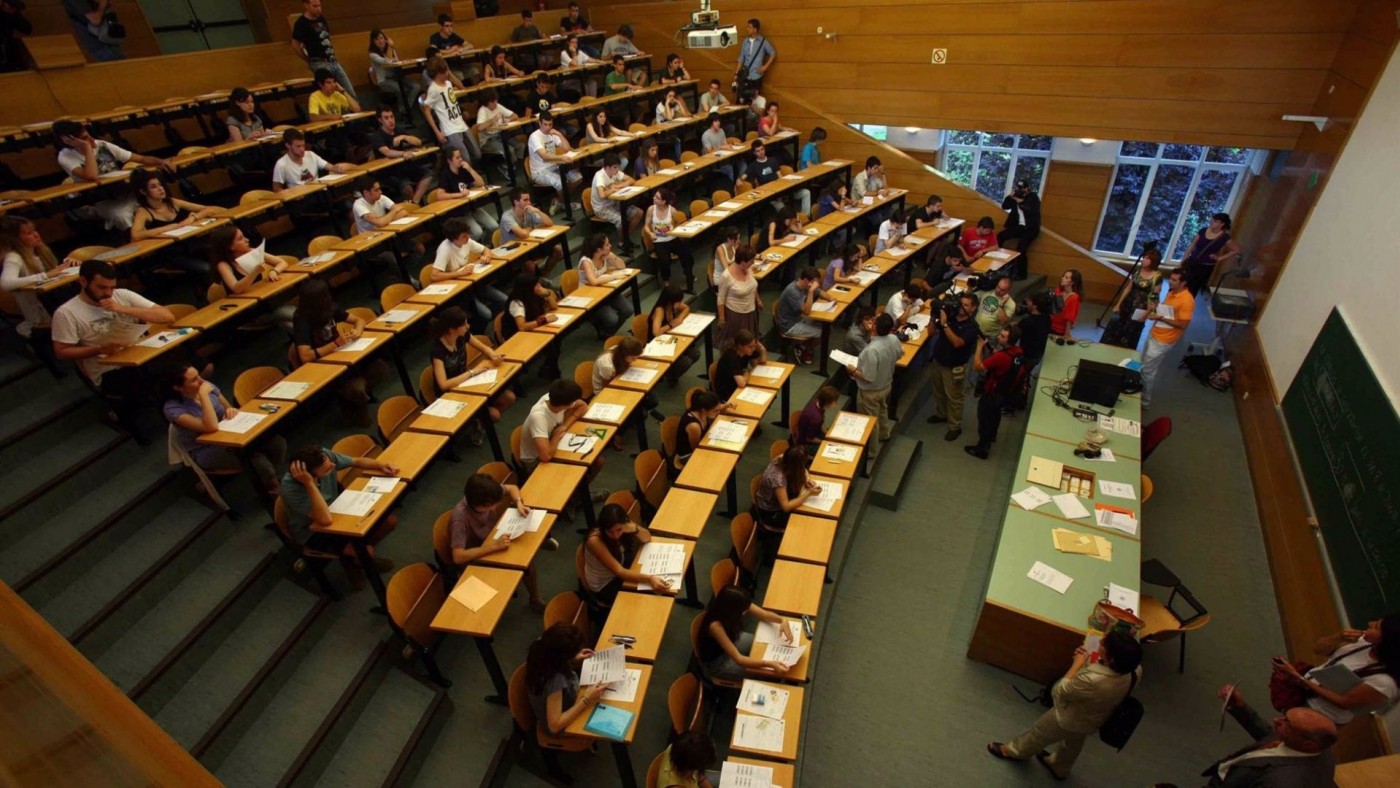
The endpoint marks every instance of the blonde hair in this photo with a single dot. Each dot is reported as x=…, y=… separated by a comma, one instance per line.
x=35, y=261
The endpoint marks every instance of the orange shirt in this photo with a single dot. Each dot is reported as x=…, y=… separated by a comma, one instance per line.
x=1183, y=303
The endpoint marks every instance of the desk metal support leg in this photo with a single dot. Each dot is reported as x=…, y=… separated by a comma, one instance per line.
x=624, y=765
x=786, y=393
x=692, y=598
x=493, y=669
x=375, y=581
x=491, y=436
x=826, y=350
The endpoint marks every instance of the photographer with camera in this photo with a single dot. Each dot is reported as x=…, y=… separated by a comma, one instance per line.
x=756, y=54
x=96, y=27
x=1022, y=208
x=955, y=334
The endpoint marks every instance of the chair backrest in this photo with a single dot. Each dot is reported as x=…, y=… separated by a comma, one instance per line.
x=685, y=701
x=257, y=195
x=394, y=416
x=698, y=207
x=629, y=504
x=612, y=341
x=742, y=186
x=1154, y=433
x=519, y=698
x=693, y=390
x=413, y=598
x=583, y=376
x=588, y=202
x=741, y=537
x=669, y=429
x=723, y=573
x=284, y=528
x=667, y=164
x=751, y=136
x=363, y=313
x=641, y=327
x=427, y=385
x=321, y=243
x=567, y=608
x=425, y=275
x=496, y=237
x=215, y=292
x=579, y=565
x=568, y=281
x=778, y=448
x=394, y=295
x=635, y=127
x=719, y=196
x=499, y=471
x=753, y=485
x=357, y=445
x=652, y=482
x=252, y=382
x=654, y=770
x=793, y=418
x=784, y=169
x=689, y=155
x=442, y=540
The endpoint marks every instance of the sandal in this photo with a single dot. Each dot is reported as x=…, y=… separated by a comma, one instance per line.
x=997, y=749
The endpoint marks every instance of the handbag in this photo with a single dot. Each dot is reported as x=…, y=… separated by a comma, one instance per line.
x=1284, y=692
x=1119, y=727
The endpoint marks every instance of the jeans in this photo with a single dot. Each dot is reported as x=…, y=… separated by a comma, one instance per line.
x=338, y=71
x=723, y=667
x=484, y=302
x=481, y=225
x=1152, y=357
x=612, y=313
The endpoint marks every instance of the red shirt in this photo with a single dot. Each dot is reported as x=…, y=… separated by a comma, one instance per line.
x=1063, y=321
x=997, y=366
x=973, y=244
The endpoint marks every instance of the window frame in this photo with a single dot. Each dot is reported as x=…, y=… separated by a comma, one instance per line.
x=1016, y=152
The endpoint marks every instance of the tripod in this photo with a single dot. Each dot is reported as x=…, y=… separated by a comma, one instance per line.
x=1127, y=282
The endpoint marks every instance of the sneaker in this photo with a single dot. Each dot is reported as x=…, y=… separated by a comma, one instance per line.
x=803, y=359
x=601, y=494
x=551, y=544
x=951, y=435
x=576, y=207
x=382, y=565
x=936, y=419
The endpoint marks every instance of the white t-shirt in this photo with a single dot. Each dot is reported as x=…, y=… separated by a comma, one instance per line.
x=363, y=208
x=87, y=325
x=116, y=213
x=451, y=257
x=290, y=174
x=1360, y=658
x=516, y=309
x=500, y=113
x=546, y=143
x=603, y=206
x=446, y=111
x=897, y=304
x=664, y=113
x=581, y=59
x=603, y=371
x=890, y=234
x=539, y=424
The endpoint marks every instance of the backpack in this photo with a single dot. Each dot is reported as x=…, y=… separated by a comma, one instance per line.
x=1201, y=366
x=1015, y=378
x=1222, y=379
x=1119, y=727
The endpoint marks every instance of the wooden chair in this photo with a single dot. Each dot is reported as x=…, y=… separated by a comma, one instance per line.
x=612, y=341
x=753, y=485
x=427, y=385
x=394, y=416
x=1161, y=621
x=567, y=608
x=689, y=155
x=698, y=207
x=686, y=703
x=719, y=196
x=784, y=169
x=569, y=280
x=515, y=453
x=496, y=237
x=252, y=382
x=363, y=313
x=667, y=164
x=583, y=376
x=178, y=311
x=751, y=136
x=528, y=729
x=322, y=243
x=744, y=548
x=788, y=341
x=413, y=598
x=723, y=573
x=1146, y=484
x=636, y=127
x=442, y=546
x=307, y=559
x=499, y=471
x=629, y=504
x=670, y=428
x=778, y=449
x=700, y=672
x=215, y=292
x=793, y=418
x=652, y=482
x=742, y=186
x=641, y=327
x=395, y=294
x=425, y=275
x=654, y=770
x=594, y=221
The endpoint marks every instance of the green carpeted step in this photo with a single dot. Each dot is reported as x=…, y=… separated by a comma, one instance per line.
x=50, y=452
x=380, y=732
x=36, y=396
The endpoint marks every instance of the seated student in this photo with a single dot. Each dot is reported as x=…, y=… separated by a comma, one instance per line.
x=549, y=418
x=672, y=108
x=551, y=679
x=548, y=146
x=905, y=303
x=611, y=545
x=475, y=517
x=734, y=364
x=685, y=764
x=674, y=72
x=621, y=45
x=944, y=275
x=811, y=422
x=598, y=265
x=833, y=199
x=712, y=99
x=843, y=267
x=786, y=225
x=409, y=181
x=862, y=330
x=601, y=131
x=523, y=217
x=996, y=307
x=456, y=179
x=661, y=218
x=196, y=406
x=794, y=306
x=299, y=165
x=715, y=139
x=1067, y=302
x=704, y=407
x=531, y=305
x=443, y=113
x=499, y=68
x=611, y=363
x=542, y=95
x=490, y=116
x=526, y=30
x=330, y=100
x=315, y=333
x=670, y=311
x=977, y=241
x=649, y=162
x=99, y=321
x=448, y=355
x=765, y=170
x=769, y=125
x=309, y=488
x=891, y=232
x=724, y=253
x=243, y=120
x=28, y=261
x=383, y=55
x=617, y=80
x=811, y=153
x=608, y=180
x=783, y=490
x=373, y=210
x=85, y=159
x=238, y=265
x=447, y=43
x=869, y=181
x=574, y=22
x=930, y=214
x=576, y=56
x=722, y=644
x=455, y=259
x=157, y=212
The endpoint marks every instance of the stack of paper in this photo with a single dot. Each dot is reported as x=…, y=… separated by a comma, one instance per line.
x=843, y=358
x=664, y=346
x=824, y=306
x=1094, y=546
x=794, y=243
x=438, y=290
x=730, y=205
x=716, y=214
x=398, y=316
x=766, y=372
x=514, y=524
x=639, y=375
x=1118, y=519
x=755, y=396
x=693, y=325
x=358, y=346
x=1117, y=489
x=484, y=379
x=242, y=422
x=693, y=226
x=1050, y=577
x=317, y=259
x=866, y=278
x=286, y=389
x=759, y=733
x=354, y=503
x=745, y=775
x=1069, y=506
x=605, y=412
x=576, y=302
x=662, y=558
x=473, y=594
x=668, y=172
x=560, y=321
x=604, y=667
x=1031, y=497
x=444, y=408
x=180, y=231
x=848, y=427
x=839, y=452
x=730, y=434
x=764, y=700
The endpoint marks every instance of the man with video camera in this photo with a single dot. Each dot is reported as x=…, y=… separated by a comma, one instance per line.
x=1022, y=208
x=954, y=331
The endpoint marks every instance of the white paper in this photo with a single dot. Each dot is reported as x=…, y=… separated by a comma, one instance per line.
x=1139, y=315
x=787, y=655
x=624, y=691
x=560, y=321
x=354, y=503
x=865, y=278
x=716, y=214
x=1105, y=455
x=398, y=316
x=759, y=733
x=1167, y=311
x=381, y=484
x=1031, y=497
x=1050, y=577
x=473, y=587
x=576, y=302
x=826, y=497
x=795, y=243
x=1000, y=254
x=242, y=423
x=1118, y=521
x=824, y=306
x=627, y=191
x=641, y=375
x=1125, y=598
x=160, y=339
x=897, y=251
x=333, y=177
x=514, y=524
x=317, y=259
x=539, y=234
x=1117, y=489
x=404, y=220
x=1069, y=506
x=770, y=633
x=286, y=389
x=577, y=443
x=727, y=432
x=662, y=558
x=764, y=700
x=604, y=667
x=668, y=171
x=693, y=226
x=181, y=231
x=485, y=379
x=661, y=346
x=745, y=775
x=605, y=412
x=437, y=290
x=837, y=452
x=1121, y=426
x=730, y=205
x=766, y=372
x=843, y=358
x=847, y=427
x=755, y=396
x=444, y=408
x=358, y=346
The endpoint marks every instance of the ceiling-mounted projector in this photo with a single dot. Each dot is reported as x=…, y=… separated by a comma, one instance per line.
x=713, y=38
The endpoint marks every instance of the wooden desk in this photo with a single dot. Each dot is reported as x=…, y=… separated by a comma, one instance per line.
x=658, y=367
x=795, y=588
x=748, y=425
x=985, y=263
x=825, y=466
x=1384, y=770
x=751, y=410
x=576, y=728
x=792, y=722
x=552, y=484
x=799, y=672
x=642, y=616
x=420, y=311
x=361, y=242
x=778, y=382
x=437, y=425
x=684, y=513
x=456, y=619
x=412, y=451
x=523, y=548
x=580, y=428
x=594, y=295
x=505, y=371
x=214, y=314
x=808, y=539
x=239, y=440
x=347, y=357
x=451, y=287
x=708, y=470
x=570, y=318
x=686, y=544
x=337, y=257
x=264, y=289
x=629, y=401
x=134, y=355
x=300, y=191
x=318, y=375
x=867, y=427
x=784, y=774
x=840, y=505
x=135, y=250
x=524, y=346
x=358, y=527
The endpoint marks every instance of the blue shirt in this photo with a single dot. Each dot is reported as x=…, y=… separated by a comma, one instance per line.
x=790, y=305
x=810, y=155
x=184, y=406
x=297, y=501
x=754, y=53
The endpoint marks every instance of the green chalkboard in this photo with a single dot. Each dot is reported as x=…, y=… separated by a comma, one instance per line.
x=1346, y=436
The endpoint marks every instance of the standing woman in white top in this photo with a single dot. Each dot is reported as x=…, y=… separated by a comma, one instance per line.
x=383, y=55
x=238, y=265
x=573, y=57
x=1373, y=654
x=28, y=261
x=738, y=300
x=599, y=266
x=661, y=219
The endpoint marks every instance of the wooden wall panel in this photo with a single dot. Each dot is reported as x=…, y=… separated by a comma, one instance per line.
x=49, y=18
x=353, y=16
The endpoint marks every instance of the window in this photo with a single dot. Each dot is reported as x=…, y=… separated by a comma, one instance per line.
x=877, y=132
x=991, y=162
x=1165, y=193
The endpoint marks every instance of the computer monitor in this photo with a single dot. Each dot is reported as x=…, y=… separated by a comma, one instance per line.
x=1098, y=383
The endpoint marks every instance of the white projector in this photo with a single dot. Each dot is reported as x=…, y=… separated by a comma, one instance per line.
x=715, y=38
